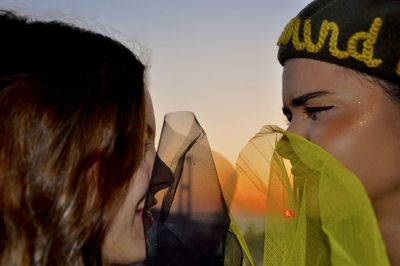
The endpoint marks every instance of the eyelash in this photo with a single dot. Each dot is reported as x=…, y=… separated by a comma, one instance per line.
x=147, y=146
x=312, y=112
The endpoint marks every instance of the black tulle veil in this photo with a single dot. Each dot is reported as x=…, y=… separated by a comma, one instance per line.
x=190, y=218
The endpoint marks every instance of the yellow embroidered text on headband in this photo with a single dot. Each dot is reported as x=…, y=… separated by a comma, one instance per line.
x=360, y=34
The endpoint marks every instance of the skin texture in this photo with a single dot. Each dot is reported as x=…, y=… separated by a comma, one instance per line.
x=352, y=118
x=125, y=241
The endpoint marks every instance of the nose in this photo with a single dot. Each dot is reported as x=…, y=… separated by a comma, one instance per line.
x=298, y=127
x=161, y=177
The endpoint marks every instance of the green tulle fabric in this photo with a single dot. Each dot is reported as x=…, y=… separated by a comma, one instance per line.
x=311, y=210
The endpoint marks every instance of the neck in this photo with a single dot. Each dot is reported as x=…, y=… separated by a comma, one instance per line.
x=387, y=210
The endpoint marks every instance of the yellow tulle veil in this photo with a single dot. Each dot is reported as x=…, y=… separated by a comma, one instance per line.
x=292, y=203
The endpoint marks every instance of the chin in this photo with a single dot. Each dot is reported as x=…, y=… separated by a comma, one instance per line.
x=127, y=248
x=125, y=256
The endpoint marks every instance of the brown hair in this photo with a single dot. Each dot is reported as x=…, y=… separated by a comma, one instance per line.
x=72, y=126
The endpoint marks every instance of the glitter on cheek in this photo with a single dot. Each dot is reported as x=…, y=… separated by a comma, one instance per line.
x=364, y=118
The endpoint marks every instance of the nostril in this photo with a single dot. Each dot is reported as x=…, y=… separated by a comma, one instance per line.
x=298, y=127
x=291, y=127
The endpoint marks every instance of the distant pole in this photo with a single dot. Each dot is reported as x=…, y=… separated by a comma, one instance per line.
x=189, y=187
x=185, y=189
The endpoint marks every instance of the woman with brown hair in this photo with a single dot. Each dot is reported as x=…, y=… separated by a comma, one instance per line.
x=77, y=151
x=76, y=146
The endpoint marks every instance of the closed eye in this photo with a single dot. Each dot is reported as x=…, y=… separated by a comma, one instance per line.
x=149, y=145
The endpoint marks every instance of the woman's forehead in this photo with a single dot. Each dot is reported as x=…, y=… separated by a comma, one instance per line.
x=333, y=84
x=150, y=119
x=315, y=68
x=308, y=75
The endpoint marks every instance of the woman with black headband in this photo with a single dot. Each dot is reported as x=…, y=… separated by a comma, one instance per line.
x=338, y=204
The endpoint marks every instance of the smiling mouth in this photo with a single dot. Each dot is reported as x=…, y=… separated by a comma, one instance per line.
x=145, y=213
x=146, y=216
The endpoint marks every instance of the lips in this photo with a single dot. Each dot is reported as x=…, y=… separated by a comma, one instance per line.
x=147, y=216
x=146, y=213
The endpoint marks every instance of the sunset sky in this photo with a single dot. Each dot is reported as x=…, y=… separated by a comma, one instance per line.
x=215, y=58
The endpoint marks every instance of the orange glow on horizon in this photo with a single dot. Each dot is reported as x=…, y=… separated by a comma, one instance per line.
x=239, y=193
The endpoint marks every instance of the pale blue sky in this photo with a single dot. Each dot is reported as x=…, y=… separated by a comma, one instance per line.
x=215, y=58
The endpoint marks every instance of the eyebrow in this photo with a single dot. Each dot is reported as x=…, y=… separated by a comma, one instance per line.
x=302, y=99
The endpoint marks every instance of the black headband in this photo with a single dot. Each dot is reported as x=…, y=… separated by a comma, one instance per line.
x=363, y=35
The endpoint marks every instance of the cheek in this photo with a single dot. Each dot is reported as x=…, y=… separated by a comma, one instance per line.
x=141, y=182
x=336, y=134
x=349, y=137
x=367, y=144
